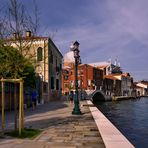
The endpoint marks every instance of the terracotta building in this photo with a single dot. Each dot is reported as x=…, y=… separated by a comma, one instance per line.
x=92, y=78
x=89, y=78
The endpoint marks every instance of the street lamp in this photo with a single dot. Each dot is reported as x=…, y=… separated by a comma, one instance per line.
x=75, y=49
x=81, y=87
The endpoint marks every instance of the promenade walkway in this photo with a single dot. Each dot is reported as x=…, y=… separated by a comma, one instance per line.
x=60, y=128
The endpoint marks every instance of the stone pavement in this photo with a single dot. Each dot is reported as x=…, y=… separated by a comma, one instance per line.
x=60, y=128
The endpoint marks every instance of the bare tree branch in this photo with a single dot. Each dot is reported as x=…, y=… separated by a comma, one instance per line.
x=19, y=21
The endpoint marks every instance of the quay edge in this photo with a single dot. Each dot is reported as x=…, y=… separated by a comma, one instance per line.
x=111, y=136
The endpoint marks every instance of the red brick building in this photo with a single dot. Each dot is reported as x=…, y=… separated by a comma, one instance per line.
x=89, y=78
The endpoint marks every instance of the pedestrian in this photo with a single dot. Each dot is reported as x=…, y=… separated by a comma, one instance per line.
x=66, y=96
x=71, y=95
x=34, y=99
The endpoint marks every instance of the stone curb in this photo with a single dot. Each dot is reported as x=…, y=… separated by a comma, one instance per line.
x=111, y=136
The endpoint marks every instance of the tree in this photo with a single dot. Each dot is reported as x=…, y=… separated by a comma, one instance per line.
x=14, y=65
x=15, y=22
x=29, y=76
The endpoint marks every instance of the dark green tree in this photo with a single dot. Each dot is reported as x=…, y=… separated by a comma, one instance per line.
x=14, y=65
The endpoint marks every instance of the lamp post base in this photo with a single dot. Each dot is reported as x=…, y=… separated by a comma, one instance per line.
x=76, y=110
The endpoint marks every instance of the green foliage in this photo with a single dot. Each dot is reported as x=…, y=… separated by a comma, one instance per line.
x=14, y=65
x=29, y=76
x=26, y=133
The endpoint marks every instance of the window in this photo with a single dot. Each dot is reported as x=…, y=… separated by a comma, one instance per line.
x=57, y=84
x=45, y=88
x=89, y=82
x=51, y=57
x=39, y=54
x=52, y=82
x=57, y=69
x=56, y=62
x=65, y=77
x=60, y=66
x=66, y=85
x=79, y=83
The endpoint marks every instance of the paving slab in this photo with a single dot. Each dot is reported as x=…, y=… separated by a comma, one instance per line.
x=60, y=128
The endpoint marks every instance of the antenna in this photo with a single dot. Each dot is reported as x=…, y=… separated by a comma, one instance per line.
x=110, y=60
x=115, y=62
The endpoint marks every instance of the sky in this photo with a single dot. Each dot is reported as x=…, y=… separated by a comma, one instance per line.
x=106, y=30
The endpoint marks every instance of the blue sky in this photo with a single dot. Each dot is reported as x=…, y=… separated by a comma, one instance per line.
x=106, y=29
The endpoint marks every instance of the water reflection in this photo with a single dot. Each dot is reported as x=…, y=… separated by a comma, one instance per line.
x=130, y=117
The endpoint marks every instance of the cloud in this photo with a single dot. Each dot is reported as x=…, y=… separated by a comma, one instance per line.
x=115, y=29
x=106, y=29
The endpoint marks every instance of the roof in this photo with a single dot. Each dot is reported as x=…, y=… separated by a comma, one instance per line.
x=66, y=67
x=97, y=64
x=111, y=77
x=122, y=74
x=55, y=47
x=27, y=38
x=102, y=66
x=142, y=85
x=138, y=86
x=85, y=65
x=144, y=82
x=35, y=38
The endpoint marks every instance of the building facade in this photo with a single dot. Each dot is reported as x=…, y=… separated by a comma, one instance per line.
x=47, y=61
x=142, y=88
x=89, y=78
x=107, y=67
x=111, y=85
x=126, y=83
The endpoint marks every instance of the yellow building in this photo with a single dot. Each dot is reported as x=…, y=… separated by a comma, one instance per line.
x=47, y=61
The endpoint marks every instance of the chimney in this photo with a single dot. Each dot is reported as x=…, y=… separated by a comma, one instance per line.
x=14, y=35
x=28, y=33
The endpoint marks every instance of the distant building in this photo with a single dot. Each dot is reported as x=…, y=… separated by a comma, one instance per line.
x=89, y=78
x=107, y=67
x=47, y=61
x=104, y=76
x=111, y=85
x=126, y=83
x=142, y=88
x=92, y=78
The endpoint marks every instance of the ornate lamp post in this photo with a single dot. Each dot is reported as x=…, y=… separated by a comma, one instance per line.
x=81, y=86
x=75, y=49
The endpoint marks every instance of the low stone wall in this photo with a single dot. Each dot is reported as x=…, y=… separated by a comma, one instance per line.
x=111, y=136
x=120, y=98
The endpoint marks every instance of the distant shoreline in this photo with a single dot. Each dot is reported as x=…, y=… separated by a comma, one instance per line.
x=120, y=98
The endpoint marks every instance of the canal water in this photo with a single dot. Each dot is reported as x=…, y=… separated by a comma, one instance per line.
x=130, y=117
